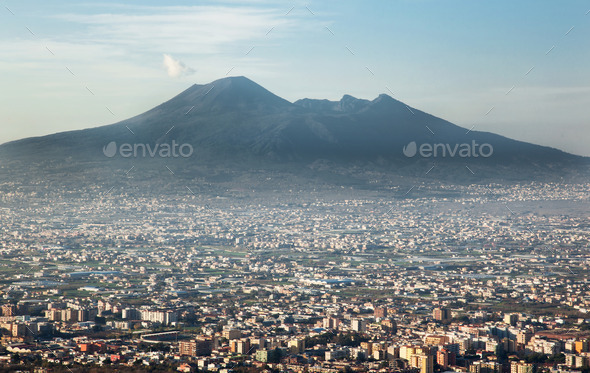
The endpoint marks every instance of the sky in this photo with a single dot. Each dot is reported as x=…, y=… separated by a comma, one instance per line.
x=519, y=69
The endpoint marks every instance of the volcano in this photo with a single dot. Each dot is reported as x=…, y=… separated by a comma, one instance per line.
x=234, y=122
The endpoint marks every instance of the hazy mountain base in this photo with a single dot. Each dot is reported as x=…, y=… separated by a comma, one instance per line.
x=239, y=178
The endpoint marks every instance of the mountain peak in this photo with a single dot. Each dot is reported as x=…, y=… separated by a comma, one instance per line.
x=236, y=82
x=235, y=93
x=385, y=98
x=349, y=103
x=348, y=97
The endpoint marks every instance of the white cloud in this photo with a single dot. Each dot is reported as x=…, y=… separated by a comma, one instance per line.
x=175, y=67
x=196, y=29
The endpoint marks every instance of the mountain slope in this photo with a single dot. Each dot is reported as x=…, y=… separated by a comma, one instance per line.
x=236, y=121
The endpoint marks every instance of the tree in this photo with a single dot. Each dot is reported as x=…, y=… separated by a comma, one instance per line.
x=347, y=369
x=557, y=359
x=15, y=358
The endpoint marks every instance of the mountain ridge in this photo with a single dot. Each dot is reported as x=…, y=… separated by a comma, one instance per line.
x=236, y=121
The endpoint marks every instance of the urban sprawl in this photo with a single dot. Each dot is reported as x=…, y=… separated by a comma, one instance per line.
x=480, y=279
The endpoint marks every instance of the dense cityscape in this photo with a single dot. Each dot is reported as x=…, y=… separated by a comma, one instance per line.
x=264, y=186
x=479, y=278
